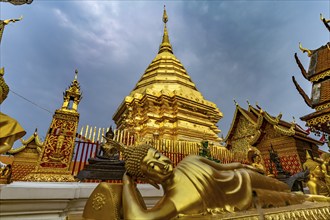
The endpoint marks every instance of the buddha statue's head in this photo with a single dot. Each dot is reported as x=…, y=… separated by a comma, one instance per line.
x=148, y=164
x=317, y=172
x=325, y=157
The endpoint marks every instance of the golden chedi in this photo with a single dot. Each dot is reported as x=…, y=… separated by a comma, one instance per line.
x=166, y=104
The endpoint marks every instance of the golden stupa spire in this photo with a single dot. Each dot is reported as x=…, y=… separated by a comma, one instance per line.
x=165, y=45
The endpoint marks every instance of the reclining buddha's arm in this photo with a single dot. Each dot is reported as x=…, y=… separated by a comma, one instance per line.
x=135, y=208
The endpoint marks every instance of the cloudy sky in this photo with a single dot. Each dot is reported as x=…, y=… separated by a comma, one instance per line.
x=240, y=50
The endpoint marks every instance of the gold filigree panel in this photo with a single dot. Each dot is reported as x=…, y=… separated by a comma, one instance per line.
x=321, y=107
x=320, y=76
x=319, y=120
x=244, y=129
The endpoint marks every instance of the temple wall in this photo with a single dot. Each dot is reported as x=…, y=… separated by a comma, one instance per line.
x=54, y=201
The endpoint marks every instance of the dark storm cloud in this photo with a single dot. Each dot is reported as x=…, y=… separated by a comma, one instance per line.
x=231, y=49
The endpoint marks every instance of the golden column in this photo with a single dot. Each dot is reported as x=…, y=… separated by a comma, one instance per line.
x=55, y=160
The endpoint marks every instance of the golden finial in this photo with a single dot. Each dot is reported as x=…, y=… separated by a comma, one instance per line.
x=12, y=20
x=76, y=74
x=165, y=18
x=309, y=52
x=165, y=45
x=321, y=17
x=236, y=103
x=248, y=102
x=3, y=23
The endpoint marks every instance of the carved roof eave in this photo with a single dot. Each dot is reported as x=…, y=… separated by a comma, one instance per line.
x=287, y=132
x=34, y=137
x=326, y=24
x=315, y=114
x=318, y=119
x=278, y=124
x=301, y=67
x=233, y=124
x=258, y=113
x=272, y=120
x=302, y=93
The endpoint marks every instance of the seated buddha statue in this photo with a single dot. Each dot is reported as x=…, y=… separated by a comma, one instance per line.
x=316, y=182
x=196, y=186
x=257, y=163
x=108, y=151
x=254, y=158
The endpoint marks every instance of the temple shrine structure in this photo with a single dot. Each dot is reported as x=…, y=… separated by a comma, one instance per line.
x=26, y=156
x=55, y=159
x=255, y=129
x=166, y=104
x=318, y=74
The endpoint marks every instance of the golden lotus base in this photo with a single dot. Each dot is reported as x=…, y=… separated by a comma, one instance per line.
x=49, y=177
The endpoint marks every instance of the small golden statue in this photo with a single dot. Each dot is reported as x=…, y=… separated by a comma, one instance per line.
x=196, y=186
x=255, y=160
x=9, y=127
x=108, y=151
x=318, y=182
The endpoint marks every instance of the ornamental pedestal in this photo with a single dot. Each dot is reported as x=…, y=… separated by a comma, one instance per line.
x=55, y=160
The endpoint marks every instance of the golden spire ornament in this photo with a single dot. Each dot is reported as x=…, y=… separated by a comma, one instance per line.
x=309, y=52
x=3, y=23
x=165, y=18
x=165, y=45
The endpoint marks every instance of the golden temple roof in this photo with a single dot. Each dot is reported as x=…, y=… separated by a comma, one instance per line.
x=33, y=140
x=258, y=117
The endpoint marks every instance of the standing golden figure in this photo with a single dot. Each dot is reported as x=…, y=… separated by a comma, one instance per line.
x=318, y=183
x=10, y=129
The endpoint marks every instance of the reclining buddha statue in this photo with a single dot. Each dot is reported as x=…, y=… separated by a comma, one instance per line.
x=195, y=186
